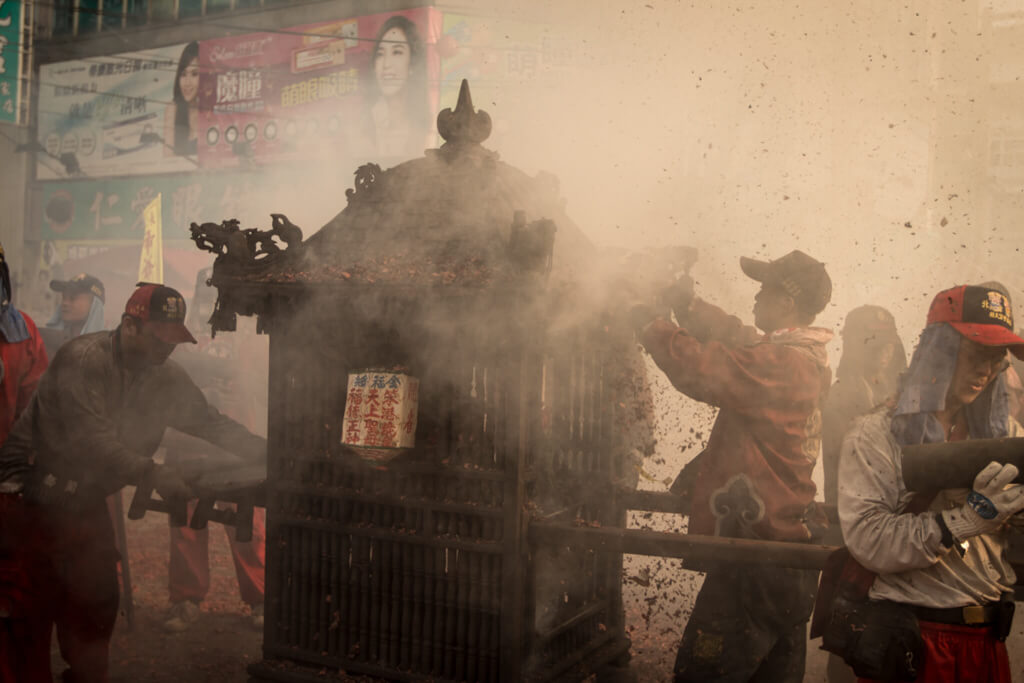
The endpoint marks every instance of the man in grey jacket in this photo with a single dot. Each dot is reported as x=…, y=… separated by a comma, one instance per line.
x=947, y=565
x=91, y=428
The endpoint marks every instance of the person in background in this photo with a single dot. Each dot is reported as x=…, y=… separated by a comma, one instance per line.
x=868, y=374
x=23, y=357
x=220, y=368
x=945, y=564
x=79, y=312
x=869, y=370
x=398, y=122
x=754, y=478
x=23, y=361
x=90, y=429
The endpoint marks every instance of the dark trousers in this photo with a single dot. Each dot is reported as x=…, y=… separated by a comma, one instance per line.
x=70, y=559
x=749, y=624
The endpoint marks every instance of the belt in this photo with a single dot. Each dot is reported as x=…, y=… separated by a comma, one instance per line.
x=969, y=615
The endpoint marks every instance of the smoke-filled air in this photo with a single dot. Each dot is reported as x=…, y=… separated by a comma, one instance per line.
x=533, y=341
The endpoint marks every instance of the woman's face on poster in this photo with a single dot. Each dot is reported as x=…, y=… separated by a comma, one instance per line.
x=188, y=82
x=391, y=63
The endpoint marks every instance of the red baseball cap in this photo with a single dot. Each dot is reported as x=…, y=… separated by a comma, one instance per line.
x=163, y=308
x=981, y=314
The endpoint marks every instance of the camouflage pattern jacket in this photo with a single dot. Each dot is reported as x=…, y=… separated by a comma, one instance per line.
x=754, y=478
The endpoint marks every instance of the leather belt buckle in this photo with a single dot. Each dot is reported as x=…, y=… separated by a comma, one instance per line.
x=974, y=614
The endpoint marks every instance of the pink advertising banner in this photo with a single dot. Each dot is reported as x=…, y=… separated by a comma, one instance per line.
x=353, y=90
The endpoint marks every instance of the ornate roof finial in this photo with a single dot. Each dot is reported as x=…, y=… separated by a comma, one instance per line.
x=464, y=125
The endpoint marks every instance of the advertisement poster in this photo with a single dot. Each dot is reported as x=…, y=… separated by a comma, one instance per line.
x=125, y=114
x=353, y=90
x=113, y=209
x=10, y=60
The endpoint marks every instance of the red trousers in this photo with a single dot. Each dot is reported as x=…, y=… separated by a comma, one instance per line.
x=961, y=654
x=189, y=572
x=64, y=566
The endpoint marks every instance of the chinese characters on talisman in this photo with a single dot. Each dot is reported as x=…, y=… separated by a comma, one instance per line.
x=380, y=410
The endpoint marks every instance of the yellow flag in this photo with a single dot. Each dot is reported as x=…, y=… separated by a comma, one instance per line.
x=151, y=265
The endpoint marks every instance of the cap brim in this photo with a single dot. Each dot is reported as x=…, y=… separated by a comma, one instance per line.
x=754, y=269
x=59, y=285
x=991, y=335
x=172, y=333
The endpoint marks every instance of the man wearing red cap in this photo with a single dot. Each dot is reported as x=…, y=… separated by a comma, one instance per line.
x=754, y=478
x=943, y=567
x=91, y=428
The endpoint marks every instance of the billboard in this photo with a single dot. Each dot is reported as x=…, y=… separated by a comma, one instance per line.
x=112, y=209
x=352, y=90
x=125, y=114
x=10, y=60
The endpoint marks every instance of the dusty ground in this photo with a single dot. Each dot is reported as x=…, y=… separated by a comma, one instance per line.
x=222, y=642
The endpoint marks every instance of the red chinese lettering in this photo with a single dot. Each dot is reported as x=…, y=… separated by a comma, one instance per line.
x=372, y=433
x=355, y=395
x=372, y=404
x=388, y=434
x=352, y=432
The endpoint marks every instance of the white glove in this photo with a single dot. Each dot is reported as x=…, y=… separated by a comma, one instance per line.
x=988, y=505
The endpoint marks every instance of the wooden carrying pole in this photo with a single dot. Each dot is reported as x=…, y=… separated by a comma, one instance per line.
x=697, y=551
x=954, y=465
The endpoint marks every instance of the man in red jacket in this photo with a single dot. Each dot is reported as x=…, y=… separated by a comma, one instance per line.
x=754, y=479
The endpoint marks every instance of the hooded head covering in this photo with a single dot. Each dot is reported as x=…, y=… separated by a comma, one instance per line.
x=81, y=284
x=868, y=329
x=924, y=387
x=12, y=323
x=94, y=322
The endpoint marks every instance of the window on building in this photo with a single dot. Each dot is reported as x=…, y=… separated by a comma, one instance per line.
x=112, y=14
x=163, y=10
x=88, y=16
x=190, y=8
x=63, y=17
x=135, y=11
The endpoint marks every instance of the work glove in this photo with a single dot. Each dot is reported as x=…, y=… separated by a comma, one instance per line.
x=169, y=483
x=991, y=501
